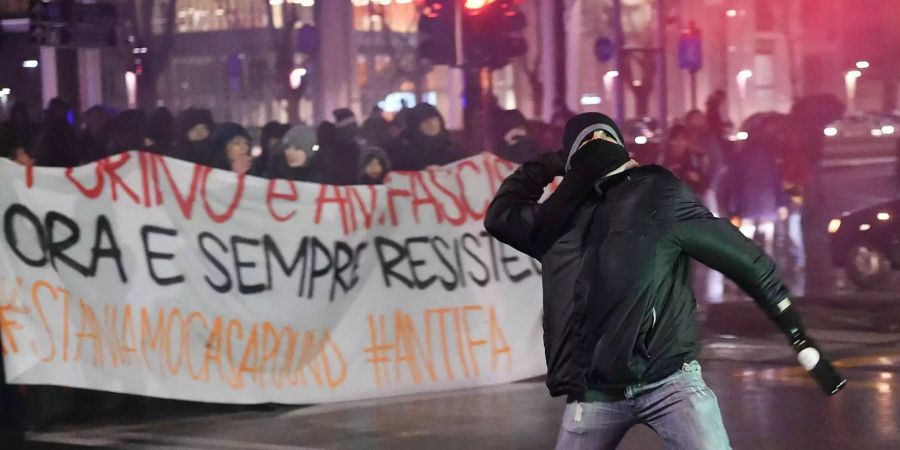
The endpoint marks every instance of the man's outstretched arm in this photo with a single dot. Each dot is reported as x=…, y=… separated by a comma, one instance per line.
x=510, y=218
x=720, y=246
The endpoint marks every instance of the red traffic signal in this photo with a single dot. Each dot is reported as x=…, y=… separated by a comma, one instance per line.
x=475, y=6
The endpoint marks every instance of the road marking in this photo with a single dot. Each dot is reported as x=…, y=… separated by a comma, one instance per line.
x=797, y=376
x=856, y=162
x=199, y=442
x=153, y=440
x=384, y=401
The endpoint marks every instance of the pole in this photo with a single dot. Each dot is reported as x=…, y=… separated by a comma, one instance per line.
x=559, y=57
x=487, y=88
x=620, y=64
x=693, y=90
x=663, y=67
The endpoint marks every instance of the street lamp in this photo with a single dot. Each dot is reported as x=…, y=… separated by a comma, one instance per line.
x=862, y=64
x=850, y=83
x=131, y=89
x=742, y=78
x=608, y=78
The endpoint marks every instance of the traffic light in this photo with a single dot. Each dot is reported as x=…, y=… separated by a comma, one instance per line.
x=69, y=24
x=437, y=31
x=492, y=32
x=690, y=48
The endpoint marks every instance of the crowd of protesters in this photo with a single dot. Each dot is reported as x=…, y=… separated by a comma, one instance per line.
x=759, y=178
x=341, y=151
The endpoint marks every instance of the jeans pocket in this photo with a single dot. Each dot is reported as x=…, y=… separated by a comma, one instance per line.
x=573, y=418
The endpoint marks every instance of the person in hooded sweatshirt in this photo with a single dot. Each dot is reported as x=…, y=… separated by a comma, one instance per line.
x=193, y=128
x=376, y=130
x=17, y=131
x=513, y=138
x=297, y=157
x=160, y=132
x=127, y=132
x=426, y=142
x=230, y=146
x=56, y=143
x=340, y=146
x=620, y=318
x=374, y=165
x=270, y=142
x=93, y=138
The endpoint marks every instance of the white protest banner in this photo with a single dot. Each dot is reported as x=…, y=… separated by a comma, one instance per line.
x=152, y=276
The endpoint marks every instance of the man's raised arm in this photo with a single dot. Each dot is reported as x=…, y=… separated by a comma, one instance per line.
x=511, y=215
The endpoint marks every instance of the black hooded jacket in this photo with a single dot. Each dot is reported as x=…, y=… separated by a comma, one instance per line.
x=194, y=151
x=417, y=151
x=618, y=304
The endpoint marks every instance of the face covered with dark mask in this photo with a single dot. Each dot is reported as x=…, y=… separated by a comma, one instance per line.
x=597, y=158
x=588, y=163
x=591, y=136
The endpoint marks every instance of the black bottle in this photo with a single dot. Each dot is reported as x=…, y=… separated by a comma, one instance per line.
x=818, y=367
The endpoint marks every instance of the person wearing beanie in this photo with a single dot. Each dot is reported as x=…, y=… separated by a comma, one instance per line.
x=270, y=144
x=128, y=132
x=620, y=329
x=513, y=141
x=193, y=127
x=339, y=143
x=344, y=118
x=297, y=159
x=160, y=133
x=426, y=141
x=374, y=165
x=230, y=145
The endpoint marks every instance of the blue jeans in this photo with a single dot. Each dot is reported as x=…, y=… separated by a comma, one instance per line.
x=680, y=408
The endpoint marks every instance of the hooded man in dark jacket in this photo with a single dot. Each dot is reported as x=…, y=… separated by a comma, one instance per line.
x=56, y=143
x=426, y=142
x=194, y=127
x=230, y=145
x=620, y=327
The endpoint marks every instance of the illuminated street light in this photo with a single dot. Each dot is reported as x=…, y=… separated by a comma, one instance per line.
x=887, y=129
x=608, y=78
x=640, y=140
x=850, y=84
x=742, y=135
x=830, y=131
x=30, y=63
x=131, y=89
x=477, y=4
x=731, y=13
x=862, y=64
x=590, y=99
x=742, y=78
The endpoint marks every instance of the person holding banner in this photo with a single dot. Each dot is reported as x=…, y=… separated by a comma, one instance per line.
x=620, y=328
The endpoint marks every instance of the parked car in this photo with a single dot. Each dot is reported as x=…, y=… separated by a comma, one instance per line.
x=864, y=125
x=866, y=243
